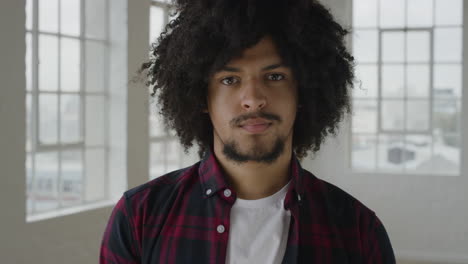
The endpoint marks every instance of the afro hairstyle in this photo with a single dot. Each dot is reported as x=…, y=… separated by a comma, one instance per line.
x=206, y=34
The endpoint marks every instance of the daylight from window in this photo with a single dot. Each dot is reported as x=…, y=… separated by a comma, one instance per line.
x=66, y=43
x=407, y=96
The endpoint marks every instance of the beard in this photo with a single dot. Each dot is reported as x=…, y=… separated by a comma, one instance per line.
x=257, y=154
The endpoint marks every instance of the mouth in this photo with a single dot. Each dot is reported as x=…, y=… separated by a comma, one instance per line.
x=256, y=126
x=256, y=129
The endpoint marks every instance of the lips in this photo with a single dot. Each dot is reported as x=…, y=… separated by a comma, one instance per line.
x=256, y=125
x=255, y=121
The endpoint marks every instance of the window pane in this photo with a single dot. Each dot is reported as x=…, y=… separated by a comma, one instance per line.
x=28, y=121
x=364, y=151
x=448, y=12
x=29, y=185
x=28, y=61
x=365, y=13
x=70, y=17
x=70, y=112
x=417, y=115
x=364, y=116
x=48, y=63
x=420, y=13
x=418, y=81
x=365, y=45
x=393, y=47
x=190, y=158
x=418, y=46
x=155, y=120
x=157, y=159
x=95, y=71
x=366, y=81
x=46, y=177
x=48, y=118
x=29, y=14
x=95, y=185
x=156, y=22
x=447, y=81
x=392, y=115
x=446, y=117
x=70, y=65
x=48, y=15
x=391, y=153
x=95, y=24
x=95, y=120
x=448, y=45
x=446, y=158
x=392, y=13
x=72, y=177
x=173, y=158
x=393, y=81
x=419, y=153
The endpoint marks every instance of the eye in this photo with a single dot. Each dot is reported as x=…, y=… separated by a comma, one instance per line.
x=275, y=77
x=228, y=80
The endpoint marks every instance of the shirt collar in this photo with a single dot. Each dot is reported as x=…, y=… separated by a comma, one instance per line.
x=213, y=179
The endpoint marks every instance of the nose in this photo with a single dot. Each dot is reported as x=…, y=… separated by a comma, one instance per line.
x=253, y=97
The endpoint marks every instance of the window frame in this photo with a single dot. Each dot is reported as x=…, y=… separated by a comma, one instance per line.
x=164, y=137
x=36, y=147
x=431, y=98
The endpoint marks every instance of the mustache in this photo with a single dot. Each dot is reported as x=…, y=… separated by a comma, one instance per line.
x=268, y=116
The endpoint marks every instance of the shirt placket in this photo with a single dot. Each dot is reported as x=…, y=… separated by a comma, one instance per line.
x=224, y=203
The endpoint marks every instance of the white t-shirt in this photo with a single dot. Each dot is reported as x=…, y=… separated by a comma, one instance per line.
x=259, y=230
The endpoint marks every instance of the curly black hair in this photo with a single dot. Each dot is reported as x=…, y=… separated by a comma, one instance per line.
x=207, y=34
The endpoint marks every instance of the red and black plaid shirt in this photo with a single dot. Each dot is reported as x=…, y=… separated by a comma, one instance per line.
x=183, y=217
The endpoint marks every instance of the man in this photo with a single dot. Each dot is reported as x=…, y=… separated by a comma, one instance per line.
x=256, y=84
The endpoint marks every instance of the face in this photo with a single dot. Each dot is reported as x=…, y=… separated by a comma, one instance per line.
x=252, y=104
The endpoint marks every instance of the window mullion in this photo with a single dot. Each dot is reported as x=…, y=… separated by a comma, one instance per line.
x=431, y=80
x=83, y=116
x=379, y=96
x=379, y=88
x=34, y=125
x=58, y=147
x=59, y=108
x=107, y=101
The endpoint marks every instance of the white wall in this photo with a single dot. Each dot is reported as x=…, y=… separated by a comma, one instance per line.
x=74, y=238
x=426, y=216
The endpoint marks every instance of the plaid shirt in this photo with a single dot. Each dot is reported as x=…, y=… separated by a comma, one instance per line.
x=183, y=217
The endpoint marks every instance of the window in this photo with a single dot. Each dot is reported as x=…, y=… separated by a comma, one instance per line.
x=166, y=154
x=407, y=100
x=67, y=103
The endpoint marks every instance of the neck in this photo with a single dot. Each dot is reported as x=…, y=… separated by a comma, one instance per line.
x=254, y=180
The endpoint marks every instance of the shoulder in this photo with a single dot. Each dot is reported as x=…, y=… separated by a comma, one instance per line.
x=158, y=191
x=351, y=218
x=336, y=200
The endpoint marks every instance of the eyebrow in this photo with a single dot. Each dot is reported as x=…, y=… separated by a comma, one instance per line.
x=270, y=67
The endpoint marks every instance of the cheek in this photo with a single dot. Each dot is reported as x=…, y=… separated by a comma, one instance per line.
x=219, y=115
x=287, y=101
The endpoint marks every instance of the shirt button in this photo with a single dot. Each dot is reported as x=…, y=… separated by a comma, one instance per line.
x=208, y=192
x=227, y=193
x=220, y=229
